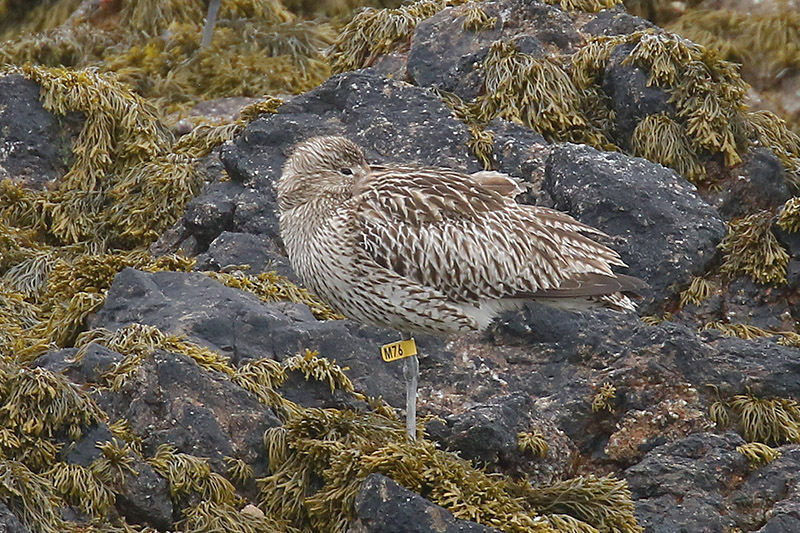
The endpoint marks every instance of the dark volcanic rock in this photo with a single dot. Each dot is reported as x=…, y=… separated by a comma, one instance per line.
x=35, y=145
x=239, y=325
x=615, y=21
x=257, y=251
x=173, y=400
x=630, y=96
x=375, y=112
x=145, y=497
x=758, y=183
x=771, y=494
x=662, y=229
x=448, y=57
x=383, y=506
x=519, y=151
x=9, y=523
x=561, y=359
x=487, y=434
x=682, y=486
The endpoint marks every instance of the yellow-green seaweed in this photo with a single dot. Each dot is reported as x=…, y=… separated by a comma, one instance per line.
x=190, y=474
x=751, y=249
x=662, y=140
x=532, y=442
x=764, y=420
x=758, y=454
x=476, y=19
x=590, y=6
x=379, y=31
x=789, y=216
x=698, y=291
x=604, y=398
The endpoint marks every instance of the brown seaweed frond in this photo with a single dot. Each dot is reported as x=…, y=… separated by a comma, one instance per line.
x=751, y=249
x=789, y=215
x=698, y=291
x=758, y=454
x=272, y=287
x=662, y=140
x=379, y=31
x=590, y=6
x=190, y=474
x=764, y=420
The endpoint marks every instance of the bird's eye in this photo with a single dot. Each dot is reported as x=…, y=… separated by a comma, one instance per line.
x=346, y=171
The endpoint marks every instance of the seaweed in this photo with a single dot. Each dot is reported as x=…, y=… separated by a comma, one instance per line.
x=320, y=369
x=743, y=331
x=768, y=421
x=707, y=92
x=188, y=474
x=751, y=249
x=39, y=403
x=82, y=487
x=373, y=32
x=30, y=497
x=272, y=287
x=590, y=6
x=602, y=502
x=765, y=43
x=604, y=398
x=212, y=517
x=536, y=92
x=661, y=140
x=532, y=442
x=481, y=144
x=341, y=448
x=758, y=454
x=258, y=48
x=773, y=132
x=239, y=471
x=137, y=341
x=476, y=19
x=789, y=215
x=698, y=291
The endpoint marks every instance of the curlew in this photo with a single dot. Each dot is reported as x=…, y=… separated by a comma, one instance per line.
x=432, y=250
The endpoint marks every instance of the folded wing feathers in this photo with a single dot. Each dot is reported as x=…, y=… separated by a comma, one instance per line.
x=445, y=230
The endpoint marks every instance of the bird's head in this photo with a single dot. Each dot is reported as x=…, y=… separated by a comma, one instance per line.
x=320, y=168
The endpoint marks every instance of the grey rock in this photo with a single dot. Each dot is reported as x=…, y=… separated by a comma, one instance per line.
x=145, y=497
x=681, y=486
x=173, y=400
x=96, y=360
x=239, y=325
x=85, y=450
x=383, y=506
x=35, y=144
x=630, y=96
x=9, y=523
x=758, y=183
x=445, y=56
x=486, y=434
x=657, y=222
x=257, y=251
x=615, y=21
x=769, y=497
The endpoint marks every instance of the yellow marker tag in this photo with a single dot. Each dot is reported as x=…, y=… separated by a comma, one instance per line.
x=398, y=350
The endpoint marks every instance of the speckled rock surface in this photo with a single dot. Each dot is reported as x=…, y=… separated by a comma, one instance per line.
x=34, y=143
x=383, y=506
x=655, y=219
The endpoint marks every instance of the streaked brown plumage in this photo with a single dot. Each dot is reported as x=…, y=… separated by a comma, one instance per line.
x=432, y=250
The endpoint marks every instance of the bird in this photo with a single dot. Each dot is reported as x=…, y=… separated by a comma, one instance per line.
x=433, y=250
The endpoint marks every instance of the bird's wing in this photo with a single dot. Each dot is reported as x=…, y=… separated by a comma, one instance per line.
x=444, y=230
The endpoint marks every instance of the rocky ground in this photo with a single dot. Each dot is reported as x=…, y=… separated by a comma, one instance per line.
x=681, y=412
